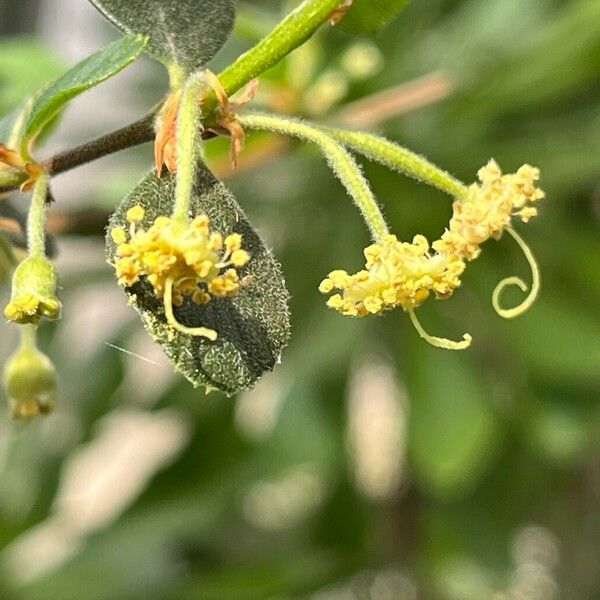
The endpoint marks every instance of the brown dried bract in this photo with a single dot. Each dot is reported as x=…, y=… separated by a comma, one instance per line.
x=165, y=147
x=227, y=118
x=12, y=158
x=338, y=14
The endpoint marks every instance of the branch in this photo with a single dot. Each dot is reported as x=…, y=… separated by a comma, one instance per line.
x=137, y=133
x=292, y=32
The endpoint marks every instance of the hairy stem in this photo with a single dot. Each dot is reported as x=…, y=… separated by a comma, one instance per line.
x=396, y=157
x=292, y=32
x=339, y=159
x=188, y=120
x=36, y=219
x=137, y=133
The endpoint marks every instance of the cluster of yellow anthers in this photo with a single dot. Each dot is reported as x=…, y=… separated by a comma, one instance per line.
x=179, y=259
x=405, y=274
x=487, y=209
x=30, y=308
x=396, y=274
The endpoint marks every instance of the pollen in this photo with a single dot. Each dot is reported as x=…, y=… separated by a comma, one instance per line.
x=135, y=214
x=396, y=274
x=488, y=208
x=179, y=259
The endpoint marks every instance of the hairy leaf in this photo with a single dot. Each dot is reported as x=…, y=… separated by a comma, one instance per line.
x=369, y=16
x=187, y=33
x=88, y=73
x=253, y=326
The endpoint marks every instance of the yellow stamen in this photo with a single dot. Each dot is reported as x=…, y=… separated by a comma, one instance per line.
x=438, y=342
x=211, y=334
x=135, y=214
x=511, y=313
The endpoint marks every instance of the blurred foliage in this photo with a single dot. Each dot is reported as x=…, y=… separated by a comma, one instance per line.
x=141, y=487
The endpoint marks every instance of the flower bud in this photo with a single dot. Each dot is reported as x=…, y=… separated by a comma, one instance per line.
x=33, y=292
x=30, y=382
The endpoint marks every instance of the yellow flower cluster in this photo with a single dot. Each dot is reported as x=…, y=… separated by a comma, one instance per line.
x=405, y=274
x=178, y=258
x=33, y=292
x=30, y=308
x=396, y=274
x=487, y=209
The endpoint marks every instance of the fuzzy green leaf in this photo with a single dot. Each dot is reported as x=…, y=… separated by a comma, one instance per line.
x=369, y=16
x=88, y=73
x=187, y=33
x=252, y=327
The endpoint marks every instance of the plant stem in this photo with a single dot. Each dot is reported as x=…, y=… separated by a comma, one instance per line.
x=188, y=120
x=36, y=219
x=137, y=133
x=339, y=159
x=292, y=32
x=28, y=336
x=400, y=159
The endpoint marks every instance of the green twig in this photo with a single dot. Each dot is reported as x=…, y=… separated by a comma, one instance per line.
x=36, y=219
x=292, y=32
x=188, y=139
x=400, y=159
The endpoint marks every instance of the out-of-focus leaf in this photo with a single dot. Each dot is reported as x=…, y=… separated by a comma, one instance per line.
x=264, y=579
x=6, y=125
x=452, y=429
x=253, y=326
x=187, y=33
x=559, y=433
x=369, y=16
x=88, y=73
x=24, y=65
x=560, y=343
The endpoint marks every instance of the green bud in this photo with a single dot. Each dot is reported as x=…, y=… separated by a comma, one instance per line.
x=30, y=382
x=33, y=292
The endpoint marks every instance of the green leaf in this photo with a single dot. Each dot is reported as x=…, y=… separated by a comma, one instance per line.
x=369, y=16
x=253, y=326
x=187, y=33
x=88, y=73
x=24, y=66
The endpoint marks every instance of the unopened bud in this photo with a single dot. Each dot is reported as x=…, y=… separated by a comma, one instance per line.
x=30, y=382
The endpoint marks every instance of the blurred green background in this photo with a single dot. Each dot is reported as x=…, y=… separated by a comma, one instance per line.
x=368, y=465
